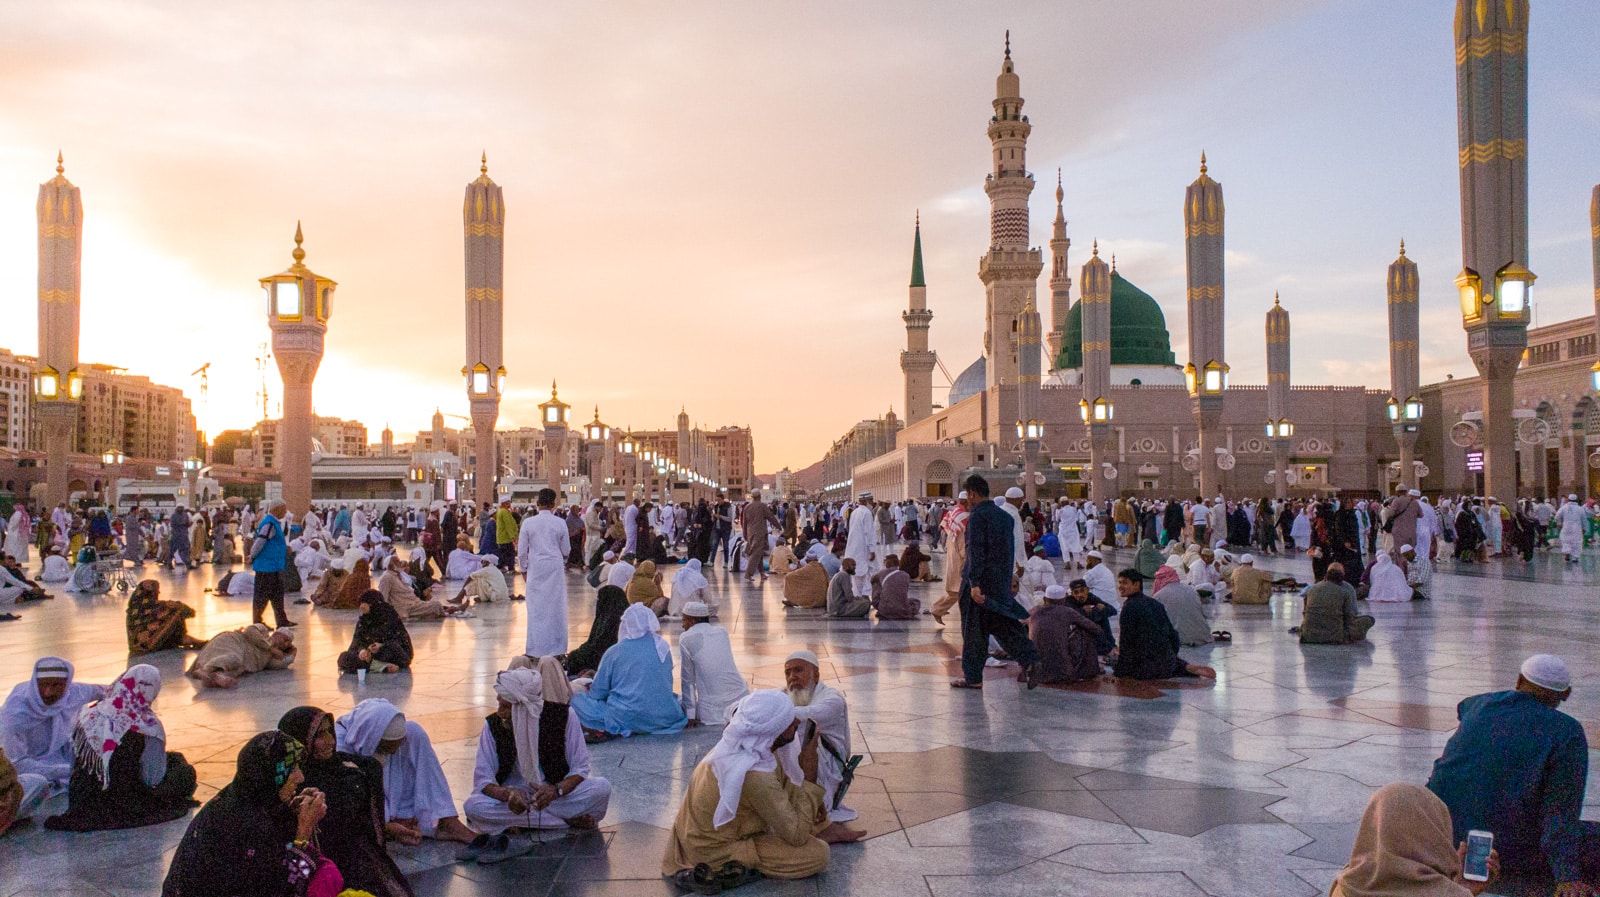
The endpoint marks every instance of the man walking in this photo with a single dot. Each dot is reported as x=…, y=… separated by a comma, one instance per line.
x=269, y=554
x=987, y=606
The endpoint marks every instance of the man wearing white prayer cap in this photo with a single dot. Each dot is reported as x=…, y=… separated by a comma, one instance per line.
x=36, y=724
x=710, y=678
x=532, y=769
x=1517, y=767
x=1012, y=500
x=749, y=801
x=1572, y=518
x=825, y=706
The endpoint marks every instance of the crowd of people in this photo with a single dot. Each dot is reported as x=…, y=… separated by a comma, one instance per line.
x=314, y=803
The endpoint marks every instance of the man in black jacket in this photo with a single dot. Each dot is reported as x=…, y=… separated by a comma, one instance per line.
x=987, y=605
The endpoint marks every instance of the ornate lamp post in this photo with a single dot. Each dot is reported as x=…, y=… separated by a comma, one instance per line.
x=299, y=303
x=112, y=458
x=1096, y=407
x=599, y=454
x=553, y=414
x=1279, y=427
x=191, y=477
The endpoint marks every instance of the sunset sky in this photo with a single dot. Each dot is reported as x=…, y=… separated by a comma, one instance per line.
x=710, y=204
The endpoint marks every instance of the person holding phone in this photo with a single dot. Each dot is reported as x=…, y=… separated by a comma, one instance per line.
x=1403, y=849
x=1517, y=767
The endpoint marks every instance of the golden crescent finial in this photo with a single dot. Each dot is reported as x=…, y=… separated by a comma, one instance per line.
x=483, y=168
x=1097, y=248
x=1402, y=247
x=299, y=237
x=1202, y=161
x=60, y=167
x=1275, y=299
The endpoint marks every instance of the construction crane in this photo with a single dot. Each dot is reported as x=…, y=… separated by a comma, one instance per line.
x=204, y=371
x=262, y=355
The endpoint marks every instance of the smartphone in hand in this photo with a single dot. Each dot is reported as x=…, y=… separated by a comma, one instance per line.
x=1476, y=865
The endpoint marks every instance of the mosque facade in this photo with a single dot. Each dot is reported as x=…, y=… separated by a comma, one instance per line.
x=1162, y=440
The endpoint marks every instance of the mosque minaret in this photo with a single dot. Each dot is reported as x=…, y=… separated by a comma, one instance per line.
x=483, y=214
x=1207, y=371
x=57, y=384
x=1594, y=238
x=1010, y=269
x=1060, y=279
x=917, y=361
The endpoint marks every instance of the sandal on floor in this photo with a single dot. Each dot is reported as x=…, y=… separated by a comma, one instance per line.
x=1222, y=635
x=595, y=736
x=962, y=683
x=735, y=874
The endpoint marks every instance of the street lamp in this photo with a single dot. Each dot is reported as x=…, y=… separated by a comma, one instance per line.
x=1282, y=428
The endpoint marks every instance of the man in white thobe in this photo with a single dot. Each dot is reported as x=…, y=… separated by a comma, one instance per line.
x=542, y=547
x=1067, y=517
x=862, y=545
x=1019, y=550
x=825, y=706
x=1100, y=580
x=1572, y=518
x=630, y=528
x=416, y=794
x=710, y=677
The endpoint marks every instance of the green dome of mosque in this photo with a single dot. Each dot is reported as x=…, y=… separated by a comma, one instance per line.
x=1138, y=329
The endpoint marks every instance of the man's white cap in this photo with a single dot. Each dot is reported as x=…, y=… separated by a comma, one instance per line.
x=1406, y=548
x=1547, y=671
x=1221, y=543
x=1572, y=496
x=1415, y=493
x=961, y=495
x=1056, y=593
x=807, y=656
x=609, y=556
x=1095, y=554
x=1014, y=492
x=697, y=609
x=1247, y=559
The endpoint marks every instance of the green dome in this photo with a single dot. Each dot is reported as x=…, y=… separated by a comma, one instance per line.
x=1138, y=329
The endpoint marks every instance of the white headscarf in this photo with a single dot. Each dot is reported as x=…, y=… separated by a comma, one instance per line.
x=125, y=708
x=621, y=572
x=688, y=580
x=360, y=730
x=639, y=621
x=746, y=746
x=524, y=690
x=1388, y=581
x=24, y=710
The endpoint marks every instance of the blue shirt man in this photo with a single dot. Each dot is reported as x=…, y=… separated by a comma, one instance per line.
x=269, y=554
x=1516, y=768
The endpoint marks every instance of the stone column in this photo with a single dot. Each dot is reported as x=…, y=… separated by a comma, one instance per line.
x=1404, y=287
x=1278, y=393
x=483, y=220
x=298, y=326
x=1203, y=250
x=1492, y=119
x=60, y=220
x=1028, y=372
x=1095, y=299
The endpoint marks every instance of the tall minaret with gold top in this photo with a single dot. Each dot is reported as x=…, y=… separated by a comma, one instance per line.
x=57, y=385
x=1098, y=412
x=917, y=361
x=1279, y=427
x=1594, y=238
x=483, y=218
x=1207, y=371
x=1010, y=269
x=1492, y=125
x=1060, y=278
x=1405, y=329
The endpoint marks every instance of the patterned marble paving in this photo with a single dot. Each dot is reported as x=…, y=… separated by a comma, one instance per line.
x=1252, y=785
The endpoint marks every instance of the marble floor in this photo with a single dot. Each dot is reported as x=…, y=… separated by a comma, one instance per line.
x=1251, y=786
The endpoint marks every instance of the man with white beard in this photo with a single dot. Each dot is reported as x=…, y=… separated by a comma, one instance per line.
x=862, y=545
x=542, y=546
x=1018, y=540
x=825, y=706
x=1067, y=517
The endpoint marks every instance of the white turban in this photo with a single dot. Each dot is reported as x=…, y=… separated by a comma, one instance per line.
x=621, y=572
x=1055, y=593
x=639, y=621
x=1013, y=492
x=524, y=690
x=746, y=746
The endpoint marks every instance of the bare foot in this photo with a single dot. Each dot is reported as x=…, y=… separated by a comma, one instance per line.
x=1202, y=672
x=222, y=680
x=583, y=823
x=451, y=828
x=837, y=833
x=405, y=832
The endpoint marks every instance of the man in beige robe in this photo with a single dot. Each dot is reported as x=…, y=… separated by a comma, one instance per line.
x=240, y=652
x=745, y=804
